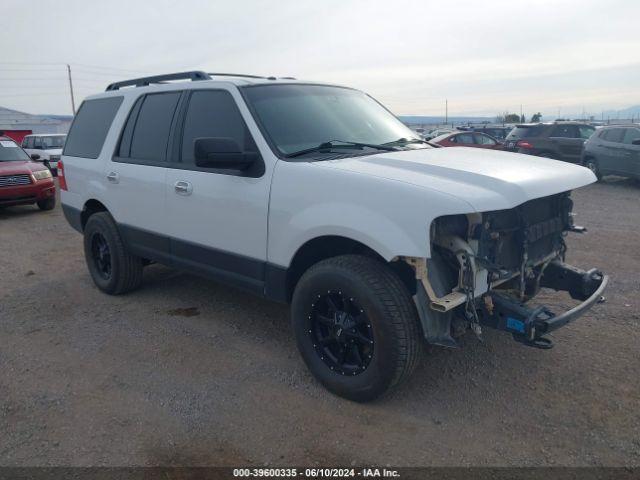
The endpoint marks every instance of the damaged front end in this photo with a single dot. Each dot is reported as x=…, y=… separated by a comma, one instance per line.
x=486, y=267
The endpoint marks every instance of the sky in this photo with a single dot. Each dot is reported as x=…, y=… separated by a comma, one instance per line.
x=558, y=57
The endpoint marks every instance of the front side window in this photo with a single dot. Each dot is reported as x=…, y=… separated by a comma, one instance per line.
x=11, y=152
x=90, y=127
x=53, y=141
x=297, y=117
x=484, y=139
x=586, y=131
x=213, y=113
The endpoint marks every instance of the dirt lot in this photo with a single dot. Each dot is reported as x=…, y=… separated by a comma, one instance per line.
x=189, y=372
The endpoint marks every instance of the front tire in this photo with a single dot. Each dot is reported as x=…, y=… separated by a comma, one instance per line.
x=47, y=204
x=356, y=326
x=113, y=269
x=592, y=165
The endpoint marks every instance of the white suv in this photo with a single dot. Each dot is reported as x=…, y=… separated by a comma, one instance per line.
x=317, y=195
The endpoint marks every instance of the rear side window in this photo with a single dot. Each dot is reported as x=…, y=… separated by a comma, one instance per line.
x=152, y=125
x=614, y=135
x=565, y=131
x=525, y=132
x=213, y=113
x=90, y=127
x=465, y=138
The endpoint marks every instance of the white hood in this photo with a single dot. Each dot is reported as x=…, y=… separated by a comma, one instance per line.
x=485, y=179
x=53, y=151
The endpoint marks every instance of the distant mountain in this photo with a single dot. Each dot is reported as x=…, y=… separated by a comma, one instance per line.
x=625, y=113
x=426, y=120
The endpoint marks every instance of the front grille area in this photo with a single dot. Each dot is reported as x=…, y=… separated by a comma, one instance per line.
x=534, y=228
x=18, y=200
x=14, y=180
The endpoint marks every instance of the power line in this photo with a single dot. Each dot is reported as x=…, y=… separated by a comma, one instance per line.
x=82, y=66
x=118, y=69
x=30, y=94
x=31, y=63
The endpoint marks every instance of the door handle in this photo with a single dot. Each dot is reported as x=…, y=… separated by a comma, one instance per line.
x=183, y=188
x=113, y=177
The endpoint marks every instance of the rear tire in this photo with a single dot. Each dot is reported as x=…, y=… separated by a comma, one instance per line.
x=113, y=269
x=47, y=204
x=371, y=342
x=592, y=164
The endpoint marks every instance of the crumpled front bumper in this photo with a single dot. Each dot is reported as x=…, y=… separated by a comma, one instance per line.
x=530, y=324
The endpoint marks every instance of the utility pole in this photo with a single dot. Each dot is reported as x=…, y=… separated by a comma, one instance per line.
x=446, y=111
x=73, y=102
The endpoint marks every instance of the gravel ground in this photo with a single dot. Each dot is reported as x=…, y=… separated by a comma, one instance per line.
x=185, y=371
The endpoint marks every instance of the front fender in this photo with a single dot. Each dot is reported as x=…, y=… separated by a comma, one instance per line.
x=392, y=218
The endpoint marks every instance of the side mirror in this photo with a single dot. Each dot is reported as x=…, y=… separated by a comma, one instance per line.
x=636, y=142
x=35, y=156
x=220, y=152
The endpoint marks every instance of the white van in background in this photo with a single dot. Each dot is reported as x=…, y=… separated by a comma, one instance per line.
x=47, y=146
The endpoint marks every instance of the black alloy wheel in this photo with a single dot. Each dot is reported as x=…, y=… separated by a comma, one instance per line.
x=101, y=255
x=341, y=333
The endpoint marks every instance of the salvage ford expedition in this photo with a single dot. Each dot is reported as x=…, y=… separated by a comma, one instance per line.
x=317, y=196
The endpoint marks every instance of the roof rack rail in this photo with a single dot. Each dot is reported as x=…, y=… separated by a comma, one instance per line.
x=236, y=75
x=145, y=81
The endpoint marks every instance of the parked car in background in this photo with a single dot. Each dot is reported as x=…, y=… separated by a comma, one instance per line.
x=468, y=139
x=436, y=132
x=47, y=146
x=499, y=132
x=22, y=180
x=614, y=150
x=557, y=140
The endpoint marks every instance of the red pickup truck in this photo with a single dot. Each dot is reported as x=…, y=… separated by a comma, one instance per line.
x=23, y=181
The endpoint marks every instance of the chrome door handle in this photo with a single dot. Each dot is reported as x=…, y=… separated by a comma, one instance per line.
x=113, y=177
x=183, y=188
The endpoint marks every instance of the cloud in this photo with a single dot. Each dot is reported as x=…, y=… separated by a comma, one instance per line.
x=484, y=57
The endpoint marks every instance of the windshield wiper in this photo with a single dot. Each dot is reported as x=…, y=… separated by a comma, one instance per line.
x=404, y=141
x=339, y=144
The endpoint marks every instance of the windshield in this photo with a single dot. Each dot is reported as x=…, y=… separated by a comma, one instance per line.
x=299, y=117
x=56, y=141
x=11, y=152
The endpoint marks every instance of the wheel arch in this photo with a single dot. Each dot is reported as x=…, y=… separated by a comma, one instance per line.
x=328, y=246
x=89, y=208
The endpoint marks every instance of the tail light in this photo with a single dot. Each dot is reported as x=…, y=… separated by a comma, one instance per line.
x=62, y=181
x=523, y=144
